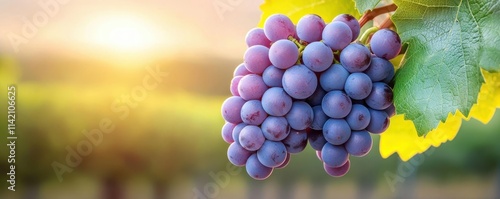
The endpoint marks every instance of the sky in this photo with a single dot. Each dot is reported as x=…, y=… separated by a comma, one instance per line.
x=147, y=28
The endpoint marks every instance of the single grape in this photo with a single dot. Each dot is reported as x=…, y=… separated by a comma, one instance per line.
x=251, y=87
x=316, y=98
x=359, y=144
x=278, y=26
x=252, y=113
x=256, y=36
x=296, y=142
x=275, y=128
x=310, y=27
x=333, y=155
x=276, y=102
x=251, y=138
x=272, y=154
x=299, y=82
x=351, y=22
x=336, y=104
x=379, y=122
x=336, y=131
x=231, y=109
x=316, y=139
x=234, y=85
x=237, y=155
x=339, y=171
x=285, y=163
x=386, y=44
x=319, y=118
x=334, y=78
x=227, y=132
x=391, y=110
x=236, y=132
x=257, y=59
x=241, y=70
x=283, y=54
x=317, y=56
x=359, y=117
x=300, y=116
x=379, y=69
x=358, y=86
x=257, y=170
x=355, y=58
x=381, y=96
x=337, y=35
x=272, y=76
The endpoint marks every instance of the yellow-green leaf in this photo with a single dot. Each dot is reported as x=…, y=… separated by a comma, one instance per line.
x=295, y=9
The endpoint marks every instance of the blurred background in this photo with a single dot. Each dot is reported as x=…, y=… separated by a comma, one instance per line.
x=121, y=99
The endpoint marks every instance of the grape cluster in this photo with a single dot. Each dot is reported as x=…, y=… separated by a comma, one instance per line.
x=308, y=83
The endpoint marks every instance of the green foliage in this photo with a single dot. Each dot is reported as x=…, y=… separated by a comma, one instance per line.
x=364, y=5
x=449, y=42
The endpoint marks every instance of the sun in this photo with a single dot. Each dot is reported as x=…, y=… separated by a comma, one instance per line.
x=122, y=33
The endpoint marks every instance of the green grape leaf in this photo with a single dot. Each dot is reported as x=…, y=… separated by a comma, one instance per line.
x=364, y=5
x=449, y=42
x=295, y=9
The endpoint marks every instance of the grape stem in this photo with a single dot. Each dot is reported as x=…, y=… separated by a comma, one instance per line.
x=367, y=33
x=370, y=14
x=387, y=23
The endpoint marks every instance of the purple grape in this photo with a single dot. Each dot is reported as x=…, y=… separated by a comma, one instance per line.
x=227, y=132
x=336, y=131
x=381, y=96
x=272, y=154
x=379, y=122
x=389, y=77
x=336, y=104
x=310, y=27
x=355, y=58
x=351, y=22
x=359, y=144
x=237, y=155
x=299, y=82
x=334, y=78
x=337, y=35
x=285, y=163
x=251, y=138
x=256, y=36
x=316, y=139
x=339, y=171
x=275, y=128
x=318, y=154
x=316, y=98
x=251, y=87
x=236, y=132
x=358, y=86
x=386, y=44
x=241, y=70
x=273, y=76
x=333, y=155
x=278, y=26
x=317, y=56
x=391, y=111
x=234, y=85
x=257, y=170
x=252, y=113
x=359, y=117
x=379, y=69
x=283, y=54
x=231, y=109
x=319, y=118
x=300, y=116
x=276, y=102
x=257, y=59
x=296, y=142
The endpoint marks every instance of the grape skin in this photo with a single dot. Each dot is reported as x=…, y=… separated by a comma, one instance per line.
x=257, y=59
x=256, y=36
x=283, y=54
x=317, y=56
x=237, y=155
x=272, y=153
x=355, y=58
x=381, y=96
x=276, y=102
x=358, y=86
x=272, y=76
x=278, y=26
x=351, y=22
x=251, y=87
x=336, y=131
x=251, y=138
x=257, y=170
x=231, y=109
x=337, y=35
x=386, y=44
x=310, y=28
x=252, y=113
x=299, y=82
x=334, y=156
x=296, y=142
x=275, y=128
x=359, y=144
x=300, y=116
x=336, y=104
x=334, y=78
